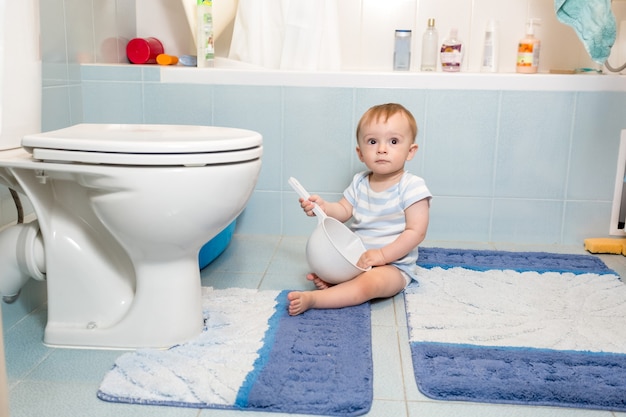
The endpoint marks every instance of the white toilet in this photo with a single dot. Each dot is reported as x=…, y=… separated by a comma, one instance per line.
x=122, y=212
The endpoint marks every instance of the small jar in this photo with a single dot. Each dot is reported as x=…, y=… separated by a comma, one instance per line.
x=402, y=50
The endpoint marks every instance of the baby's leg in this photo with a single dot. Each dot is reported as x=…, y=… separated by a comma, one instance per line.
x=379, y=282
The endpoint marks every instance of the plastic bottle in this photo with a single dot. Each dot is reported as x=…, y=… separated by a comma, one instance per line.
x=452, y=52
x=490, y=48
x=165, y=59
x=430, y=44
x=402, y=50
x=528, y=50
x=204, y=39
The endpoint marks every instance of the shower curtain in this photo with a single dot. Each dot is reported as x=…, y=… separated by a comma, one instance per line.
x=287, y=34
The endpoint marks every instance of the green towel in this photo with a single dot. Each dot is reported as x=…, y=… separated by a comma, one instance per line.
x=594, y=23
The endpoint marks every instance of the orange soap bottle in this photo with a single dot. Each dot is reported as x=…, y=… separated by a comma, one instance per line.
x=528, y=50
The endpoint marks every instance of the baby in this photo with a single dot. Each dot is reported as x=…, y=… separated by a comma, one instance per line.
x=389, y=208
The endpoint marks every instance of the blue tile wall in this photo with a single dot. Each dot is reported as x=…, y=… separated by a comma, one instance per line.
x=505, y=166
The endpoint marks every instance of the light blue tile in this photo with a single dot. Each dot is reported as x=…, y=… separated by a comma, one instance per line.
x=470, y=409
x=383, y=312
x=459, y=219
x=57, y=102
x=223, y=280
x=462, y=131
x=318, y=137
x=74, y=72
x=76, y=104
x=112, y=102
x=111, y=73
x=399, y=312
x=262, y=215
x=289, y=267
x=599, y=120
x=411, y=391
x=246, y=254
x=238, y=413
x=290, y=256
x=585, y=219
x=43, y=399
x=178, y=104
x=54, y=74
x=527, y=221
x=294, y=281
x=387, y=365
x=151, y=73
x=413, y=100
x=32, y=297
x=74, y=365
x=533, y=144
x=24, y=348
x=258, y=108
x=385, y=408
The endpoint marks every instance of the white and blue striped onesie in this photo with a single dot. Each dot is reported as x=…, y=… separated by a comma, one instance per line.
x=378, y=217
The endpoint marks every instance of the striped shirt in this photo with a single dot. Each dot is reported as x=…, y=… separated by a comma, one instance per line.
x=378, y=217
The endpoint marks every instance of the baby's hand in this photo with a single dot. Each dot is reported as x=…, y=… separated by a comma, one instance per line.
x=309, y=205
x=371, y=257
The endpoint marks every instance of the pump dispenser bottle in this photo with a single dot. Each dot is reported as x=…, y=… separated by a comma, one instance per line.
x=528, y=50
x=452, y=52
x=430, y=47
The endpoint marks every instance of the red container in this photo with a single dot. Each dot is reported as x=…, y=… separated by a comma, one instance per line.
x=143, y=50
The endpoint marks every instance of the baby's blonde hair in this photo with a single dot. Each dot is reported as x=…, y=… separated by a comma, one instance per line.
x=384, y=112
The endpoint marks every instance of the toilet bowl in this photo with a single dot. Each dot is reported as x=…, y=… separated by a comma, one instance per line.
x=123, y=211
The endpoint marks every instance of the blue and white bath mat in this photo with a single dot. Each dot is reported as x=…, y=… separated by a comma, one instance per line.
x=253, y=356
x=485, y=326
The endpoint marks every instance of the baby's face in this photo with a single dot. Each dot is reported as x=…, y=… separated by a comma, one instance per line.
x=384, y=146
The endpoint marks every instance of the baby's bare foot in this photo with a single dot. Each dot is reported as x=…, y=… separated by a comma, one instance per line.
x=299, y=302
x=320, y=284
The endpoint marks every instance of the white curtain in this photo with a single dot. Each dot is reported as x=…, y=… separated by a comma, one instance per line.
x=287, y=34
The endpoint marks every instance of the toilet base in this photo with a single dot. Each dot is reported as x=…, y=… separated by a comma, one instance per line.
x=169, y=313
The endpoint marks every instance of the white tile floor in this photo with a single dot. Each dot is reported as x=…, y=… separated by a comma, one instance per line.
x=63, y=382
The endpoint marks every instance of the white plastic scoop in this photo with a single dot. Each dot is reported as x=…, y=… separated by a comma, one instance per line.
x=332, y=250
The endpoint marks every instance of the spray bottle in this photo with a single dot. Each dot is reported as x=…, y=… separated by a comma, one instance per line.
x=528, y=49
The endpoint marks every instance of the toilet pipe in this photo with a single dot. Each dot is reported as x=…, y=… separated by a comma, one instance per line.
x=21, y=257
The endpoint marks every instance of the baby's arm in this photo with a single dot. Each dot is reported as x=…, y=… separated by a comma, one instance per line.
x=414, y=233
x=340, y=210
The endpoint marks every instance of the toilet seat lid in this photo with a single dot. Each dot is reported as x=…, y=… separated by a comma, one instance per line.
x=129, y=144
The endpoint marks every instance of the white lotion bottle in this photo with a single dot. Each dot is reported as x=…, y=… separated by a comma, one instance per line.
x=430, y=47
x=490, y=48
